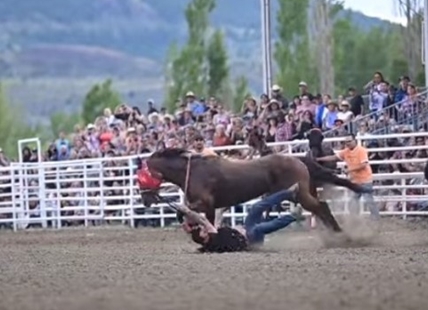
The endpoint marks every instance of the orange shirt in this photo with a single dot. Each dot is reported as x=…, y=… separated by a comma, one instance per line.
x=354, y=158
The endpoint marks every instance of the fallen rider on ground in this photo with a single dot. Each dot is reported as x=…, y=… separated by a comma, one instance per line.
x=240, y=238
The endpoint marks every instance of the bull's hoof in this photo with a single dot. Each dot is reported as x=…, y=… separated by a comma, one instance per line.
x=180, y=217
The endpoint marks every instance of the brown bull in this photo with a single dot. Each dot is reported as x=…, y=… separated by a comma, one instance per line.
x=211, y=183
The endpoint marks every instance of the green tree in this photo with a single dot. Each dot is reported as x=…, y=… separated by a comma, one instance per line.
x=12, y=127
x=241, y=92
x=197, y=17
x=348, y=71
x=292, y=53
x=358, y=54
x=100, y=96
x=174, y=86
x=177, y=76
x=187, y=68
x=217, y=62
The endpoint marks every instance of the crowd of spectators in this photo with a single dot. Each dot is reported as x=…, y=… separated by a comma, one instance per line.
x=131, y=130
x=137, y=130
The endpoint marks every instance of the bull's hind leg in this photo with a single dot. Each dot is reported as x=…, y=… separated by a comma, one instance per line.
x=327, y=217
x=320, y=209
x=342, y=182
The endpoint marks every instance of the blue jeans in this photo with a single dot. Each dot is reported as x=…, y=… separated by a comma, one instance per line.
x=256, y=226
x=374, y=210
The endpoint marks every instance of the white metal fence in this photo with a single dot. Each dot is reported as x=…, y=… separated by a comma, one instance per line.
x=99, y=190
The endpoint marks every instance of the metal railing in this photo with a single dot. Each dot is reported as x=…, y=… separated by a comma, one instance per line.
x=406, y=117
x=54, y=194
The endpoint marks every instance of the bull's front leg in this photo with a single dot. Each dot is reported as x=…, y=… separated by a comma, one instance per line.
x=210, y=215
x=205, y=207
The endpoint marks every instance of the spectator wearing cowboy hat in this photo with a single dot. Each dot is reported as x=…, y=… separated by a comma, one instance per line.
x=338, y=122
x=154, y=121
x=345, y=114
x=303, y=91
x=168, y=122
x=330, y=116
x=276, y=93
x=271, y=110
x=197, y=108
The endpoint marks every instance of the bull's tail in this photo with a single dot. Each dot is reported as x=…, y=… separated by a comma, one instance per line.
x=320, y=174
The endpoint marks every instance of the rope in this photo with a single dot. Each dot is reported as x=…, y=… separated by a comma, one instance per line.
x=186, y=183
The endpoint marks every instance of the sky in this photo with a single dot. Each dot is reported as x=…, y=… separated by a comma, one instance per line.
x=384, y=9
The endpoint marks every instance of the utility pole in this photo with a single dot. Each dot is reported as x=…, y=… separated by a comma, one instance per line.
x=266, y=45
x=425, y=41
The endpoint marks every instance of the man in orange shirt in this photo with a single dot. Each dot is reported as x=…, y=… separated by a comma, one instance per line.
x=359, y=170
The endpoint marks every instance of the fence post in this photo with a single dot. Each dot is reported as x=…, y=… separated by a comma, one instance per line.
x=58, y=197
x=14, y=206
x=42, y=194
x=359, y=140
x=131, y=192
x=233, y=216
x=85, y=194
x=404, y=195
x=102, y=203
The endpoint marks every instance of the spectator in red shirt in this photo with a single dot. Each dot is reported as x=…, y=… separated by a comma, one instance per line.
x=220, y=137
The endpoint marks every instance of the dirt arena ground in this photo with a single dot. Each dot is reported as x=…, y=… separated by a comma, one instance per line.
x=122, y=268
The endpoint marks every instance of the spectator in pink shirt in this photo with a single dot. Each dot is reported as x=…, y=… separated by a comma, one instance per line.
x=284, y=131
x=305, y=105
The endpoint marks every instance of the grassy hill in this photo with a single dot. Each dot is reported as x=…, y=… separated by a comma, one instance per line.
x=58, y=60
x=140, y=28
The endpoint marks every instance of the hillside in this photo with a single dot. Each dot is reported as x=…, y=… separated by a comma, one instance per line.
x=135, y=27
x=118, y=38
